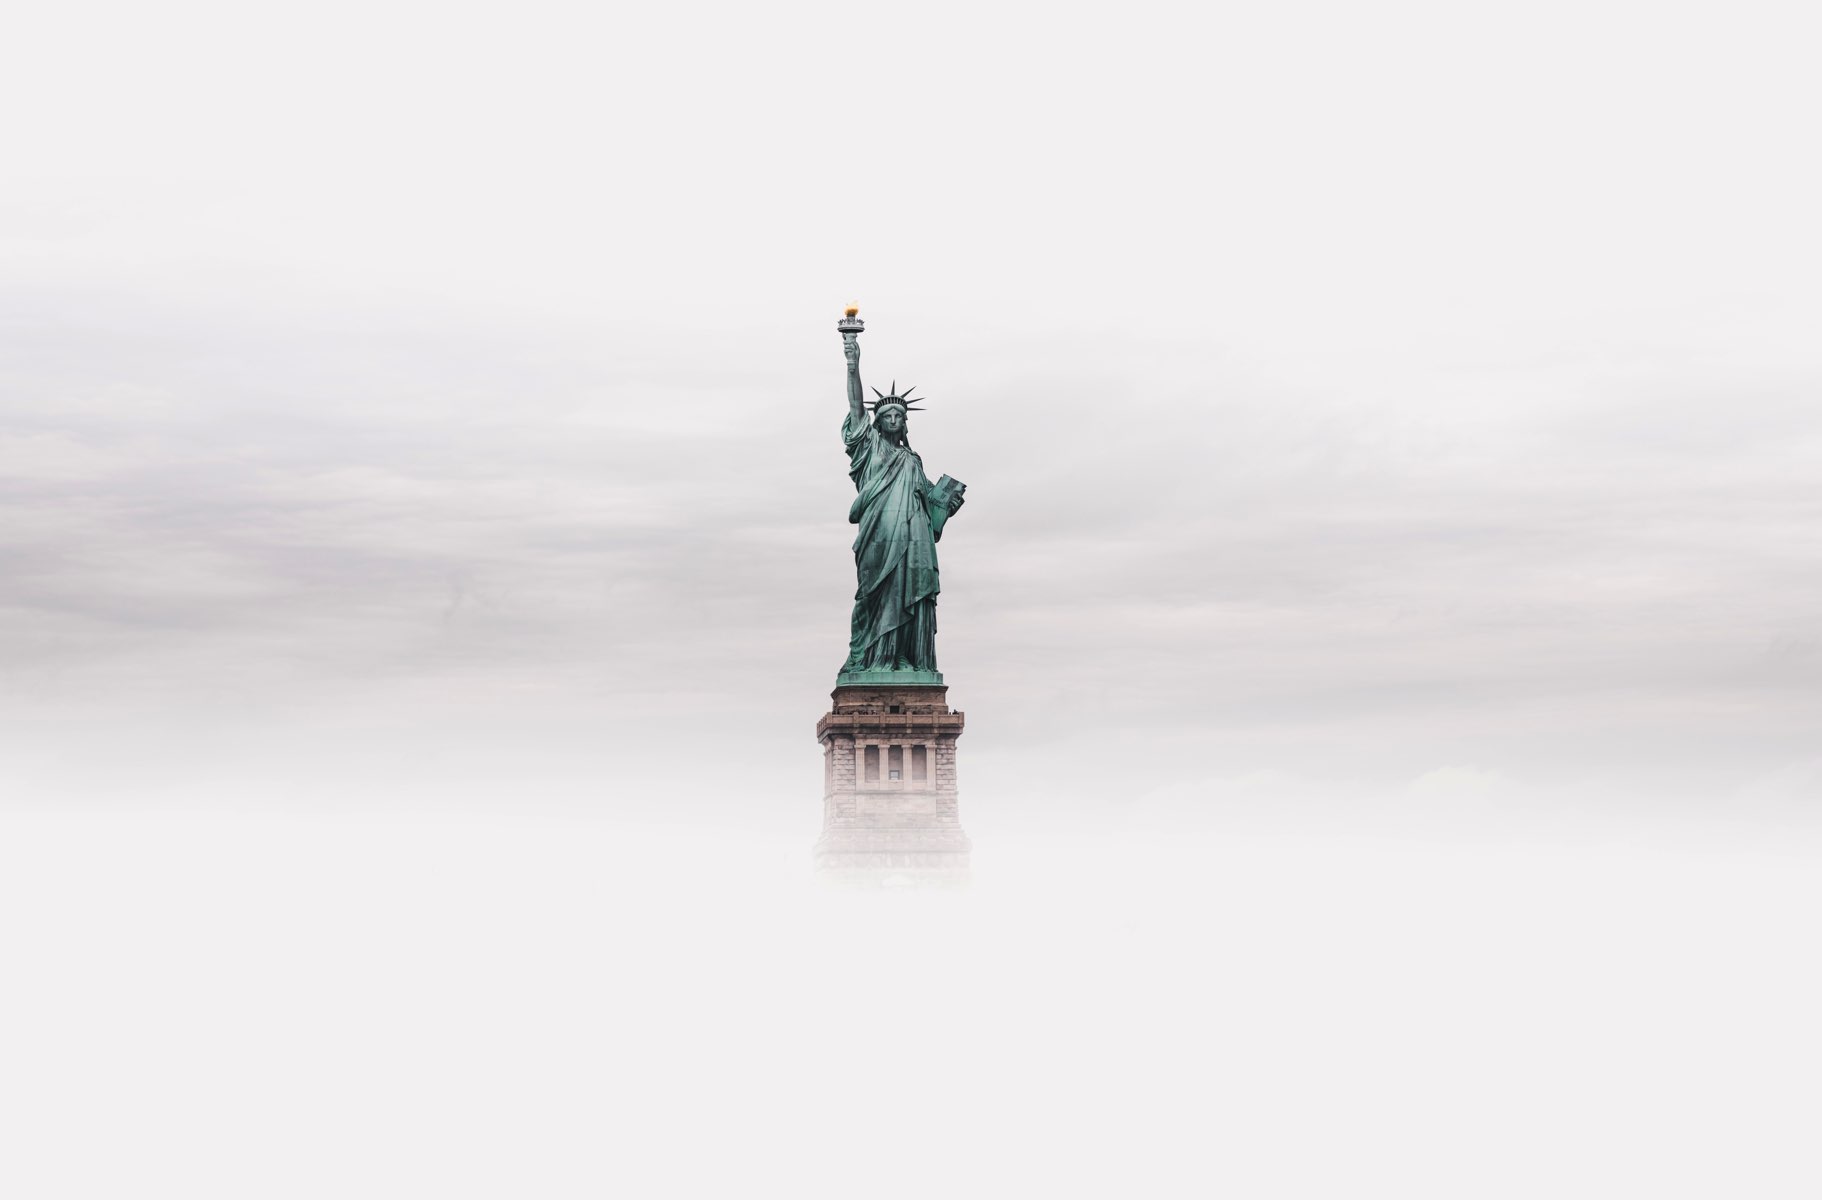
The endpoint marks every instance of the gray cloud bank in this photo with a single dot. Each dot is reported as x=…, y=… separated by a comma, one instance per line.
x=239, y=545
x=1423, y=401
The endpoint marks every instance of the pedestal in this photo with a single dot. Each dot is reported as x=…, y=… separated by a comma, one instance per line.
x=889, y=811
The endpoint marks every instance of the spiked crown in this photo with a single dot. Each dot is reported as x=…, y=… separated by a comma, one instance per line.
x=892, y=398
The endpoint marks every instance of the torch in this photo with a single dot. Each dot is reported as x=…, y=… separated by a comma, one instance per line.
x=850, y=324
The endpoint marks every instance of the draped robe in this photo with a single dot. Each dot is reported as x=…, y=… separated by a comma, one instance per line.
x=894, y=621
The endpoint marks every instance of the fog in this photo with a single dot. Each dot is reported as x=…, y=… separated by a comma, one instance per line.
x=1384, y=610
x=219, y=1004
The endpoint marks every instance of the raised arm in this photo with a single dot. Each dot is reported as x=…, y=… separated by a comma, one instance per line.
x=850, y=345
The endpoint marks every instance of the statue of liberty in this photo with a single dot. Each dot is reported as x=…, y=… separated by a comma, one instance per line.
x=901, y=514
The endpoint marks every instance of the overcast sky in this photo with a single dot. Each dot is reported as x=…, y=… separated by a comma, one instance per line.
x=1347, y=396
x=1386, y=610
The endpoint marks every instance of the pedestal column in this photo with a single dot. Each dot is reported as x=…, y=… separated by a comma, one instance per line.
x=888, y=829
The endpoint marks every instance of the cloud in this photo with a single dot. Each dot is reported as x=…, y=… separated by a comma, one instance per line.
x=1474, y=433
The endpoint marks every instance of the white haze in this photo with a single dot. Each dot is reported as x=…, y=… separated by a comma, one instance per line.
x=1385, y=608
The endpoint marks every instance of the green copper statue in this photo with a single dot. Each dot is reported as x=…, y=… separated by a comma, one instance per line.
x=901, y=516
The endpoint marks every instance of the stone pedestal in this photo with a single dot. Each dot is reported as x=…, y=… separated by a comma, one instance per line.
x=889, y=811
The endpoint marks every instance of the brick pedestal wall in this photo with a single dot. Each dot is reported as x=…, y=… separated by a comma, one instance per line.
x=872, y=823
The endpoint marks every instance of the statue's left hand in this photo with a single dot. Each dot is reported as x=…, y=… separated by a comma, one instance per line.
x=955, y=503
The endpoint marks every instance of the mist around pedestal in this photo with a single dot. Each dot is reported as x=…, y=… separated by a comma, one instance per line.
x=1384, y=612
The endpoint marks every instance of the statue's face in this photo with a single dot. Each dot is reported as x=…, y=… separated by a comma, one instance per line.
x=892, y=420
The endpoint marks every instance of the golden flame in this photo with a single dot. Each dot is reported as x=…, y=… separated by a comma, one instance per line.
x=853, y=310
